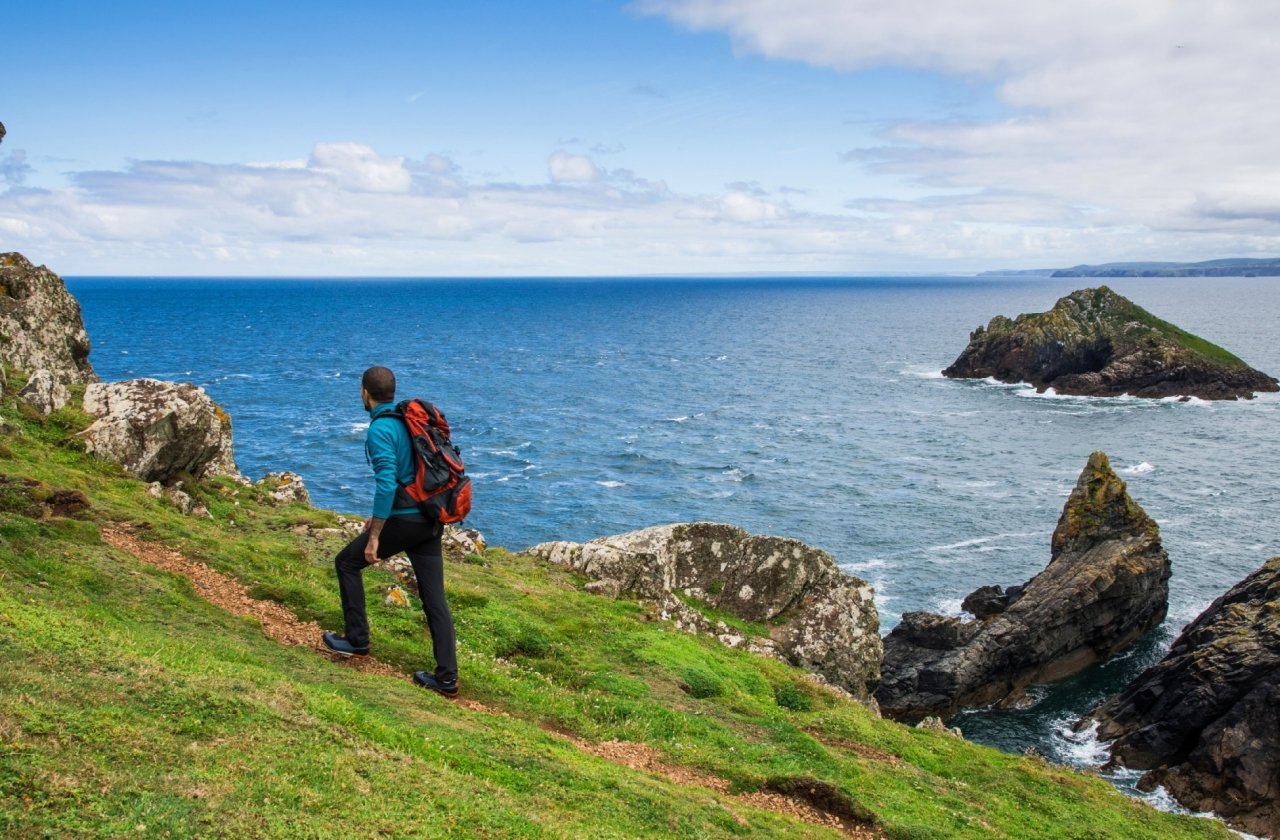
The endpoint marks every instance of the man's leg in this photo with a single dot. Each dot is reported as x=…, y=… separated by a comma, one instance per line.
x=428, y=567
x=351, y=565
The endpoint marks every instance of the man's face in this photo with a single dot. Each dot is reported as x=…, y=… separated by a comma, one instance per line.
x=364, y=399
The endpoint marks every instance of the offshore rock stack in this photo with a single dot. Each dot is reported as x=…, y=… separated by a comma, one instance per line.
x=1106, y=585
x=1096, y=343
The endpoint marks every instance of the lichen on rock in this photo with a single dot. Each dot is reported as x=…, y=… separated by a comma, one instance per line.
x=158, y=430
x=41, y=327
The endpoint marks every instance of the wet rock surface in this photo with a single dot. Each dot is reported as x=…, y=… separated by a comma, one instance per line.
x=1106, y=584
x=818, y=618
x=1205, y=720
x=159, y=430
x=1095, y=342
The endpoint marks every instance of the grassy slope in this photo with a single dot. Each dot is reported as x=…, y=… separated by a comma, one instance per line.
x=130, y=706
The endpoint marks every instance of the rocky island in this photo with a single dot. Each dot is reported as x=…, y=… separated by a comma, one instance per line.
x=1097, y=343
x=1107, y=583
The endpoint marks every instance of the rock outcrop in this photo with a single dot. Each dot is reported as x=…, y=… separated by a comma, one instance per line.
x=284, y=488
x=159, y=430
x=1097, y=343
x=818, y=618
x=40, y=324
x=1106, y=584
x=1205, y=720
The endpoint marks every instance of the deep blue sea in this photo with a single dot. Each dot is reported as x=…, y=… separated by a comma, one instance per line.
x=810, y=408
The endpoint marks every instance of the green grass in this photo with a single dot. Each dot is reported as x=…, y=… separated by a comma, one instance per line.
x=131, y=707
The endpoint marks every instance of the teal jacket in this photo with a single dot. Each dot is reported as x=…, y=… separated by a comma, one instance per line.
x=390, y=453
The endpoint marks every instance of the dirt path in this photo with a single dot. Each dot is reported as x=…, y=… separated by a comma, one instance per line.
x=281, y=625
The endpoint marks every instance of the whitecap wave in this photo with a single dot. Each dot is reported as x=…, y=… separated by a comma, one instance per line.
x=1138, y=469
x=1080, y=749
x=996, y=383
x=612, y=484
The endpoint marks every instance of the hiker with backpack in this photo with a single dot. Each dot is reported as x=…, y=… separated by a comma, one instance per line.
x=419, y=486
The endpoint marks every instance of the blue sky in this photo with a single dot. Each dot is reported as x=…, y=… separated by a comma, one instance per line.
x=661, y=136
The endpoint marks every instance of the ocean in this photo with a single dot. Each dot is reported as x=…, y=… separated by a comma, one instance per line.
x=807, y=408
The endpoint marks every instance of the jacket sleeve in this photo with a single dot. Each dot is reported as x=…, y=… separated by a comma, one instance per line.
x=380, y=444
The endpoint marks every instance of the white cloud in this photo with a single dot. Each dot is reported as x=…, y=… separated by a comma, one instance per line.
x=359, y=167
x=565, y=168
x=1153, y=115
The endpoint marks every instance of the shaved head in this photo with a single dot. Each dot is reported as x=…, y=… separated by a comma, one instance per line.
x=380, y=382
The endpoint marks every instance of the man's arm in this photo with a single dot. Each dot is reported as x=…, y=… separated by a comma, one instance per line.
x=374, y=527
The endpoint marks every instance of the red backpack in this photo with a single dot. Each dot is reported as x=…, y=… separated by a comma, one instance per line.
x=440, y=487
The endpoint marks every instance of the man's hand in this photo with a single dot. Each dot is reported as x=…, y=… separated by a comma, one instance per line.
x=374, y=528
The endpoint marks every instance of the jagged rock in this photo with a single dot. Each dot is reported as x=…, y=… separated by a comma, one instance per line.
x=40, y=323
x=463, y=541
x=1106, y=584
x=819, y=618
x=284, y=488
x=986, y=601
x=1097, y=343
x=44, y=393
x=158, y=430
x=1206, y=718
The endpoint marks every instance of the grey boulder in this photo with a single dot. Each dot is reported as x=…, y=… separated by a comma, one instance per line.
x=159, y=430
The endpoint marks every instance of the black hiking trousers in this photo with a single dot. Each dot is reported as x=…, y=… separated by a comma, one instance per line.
x=420, y=540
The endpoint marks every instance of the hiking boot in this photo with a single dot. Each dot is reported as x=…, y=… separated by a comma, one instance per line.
x=339, y=645
x=447, y=688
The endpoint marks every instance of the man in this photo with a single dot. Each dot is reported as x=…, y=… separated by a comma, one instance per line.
x=395, y=525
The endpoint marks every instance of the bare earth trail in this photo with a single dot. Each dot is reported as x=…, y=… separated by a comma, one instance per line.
x=281, y=625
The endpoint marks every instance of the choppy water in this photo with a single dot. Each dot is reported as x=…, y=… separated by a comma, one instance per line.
x=806, y=408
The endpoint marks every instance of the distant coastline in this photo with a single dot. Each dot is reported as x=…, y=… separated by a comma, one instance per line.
x=1210, y=268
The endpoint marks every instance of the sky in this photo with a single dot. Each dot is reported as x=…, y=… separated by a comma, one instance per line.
x=649, y=137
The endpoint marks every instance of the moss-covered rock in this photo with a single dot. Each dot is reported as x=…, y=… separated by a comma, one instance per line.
x=1097, y=343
